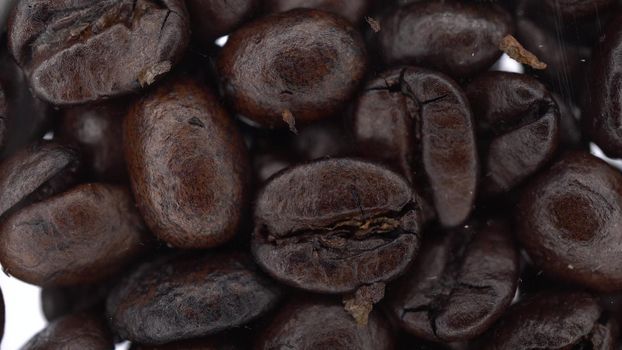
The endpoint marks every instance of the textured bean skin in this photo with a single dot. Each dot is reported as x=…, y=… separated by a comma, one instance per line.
x=211, y=19
x=73, y=332
x=186, y=296
x=345, y=224
x=80, y=236
x=568, y=221
x=188, y=165
x=518, y=120
x=353, y=10
x=460, y=285
x=456, y=38
x=305, y=62
x=77, y=51
x=318, y=324
x=35, y=173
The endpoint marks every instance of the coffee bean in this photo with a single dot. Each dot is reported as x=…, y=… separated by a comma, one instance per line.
x=568, y=219
x=518, y=126
x=188, y=165
x=73, y=332
x=456, y=38
x=302, y=63
x=461, y=283
x=80, y=236
x=186, y=296
x=211, y=19
x=353, y=10
x=75, y=51
x=322, y=324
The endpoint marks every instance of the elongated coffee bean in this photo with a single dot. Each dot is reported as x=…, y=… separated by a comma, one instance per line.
x=73, y=332
x=188, y=165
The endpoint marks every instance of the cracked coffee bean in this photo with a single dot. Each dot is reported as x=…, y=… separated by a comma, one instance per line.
x=73, y=332
x=83, y=235
x=517, y=126
x=303, y=63
x=568, y=221
x=414, y=118
x=211, y=19
x=181, y=297
x=188, y=165
x=78, y=51
x=462, y=282
x=353, y=10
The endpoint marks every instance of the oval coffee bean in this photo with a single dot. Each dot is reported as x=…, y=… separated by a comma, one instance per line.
x=188, y=165
x=186, y=296
x=73, y=332
x=456, y=38
x=77, y=51
x=319, y=324
x=553, y=320
x=332, y=226
x=568, y=220
x=211, y=19
x=409, y=113
x=80, y=236
x=353, y=10
x=35, y=173
x=518, y=122
x=293, y=67
x=461, y=283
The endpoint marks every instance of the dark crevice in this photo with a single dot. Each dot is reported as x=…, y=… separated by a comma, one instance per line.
x=196, y=122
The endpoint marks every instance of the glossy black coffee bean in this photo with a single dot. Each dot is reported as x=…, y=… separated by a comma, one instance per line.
x=73, y=332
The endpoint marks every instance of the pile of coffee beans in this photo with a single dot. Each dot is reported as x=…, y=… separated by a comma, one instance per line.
x=332, y=174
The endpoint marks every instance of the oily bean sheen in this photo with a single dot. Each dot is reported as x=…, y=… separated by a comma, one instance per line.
x=211, y=19
x=186, y=296
x=553, y=320
x=73, y=332
x=603, y=114
x=457, y=38
x=77, y=51
x=569, y=221
x=353, y=10
x=188, y=165
x=302, y=64
x=319, y=324
x=461, y=283
x=332, y=226
x=518, y=124
x=35, y=173
x=413, y=106
x=80, y=236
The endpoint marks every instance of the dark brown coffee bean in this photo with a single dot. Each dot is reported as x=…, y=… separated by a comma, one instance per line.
x=77, y=51
x=73, y=332
x=353, y=10
x=413, y=114
x=568, y=221
x=60, y=301
x=518, y=126
x=319, y=324
x=80, y=236
x=293, y=67
x=213, y=343
x=187, y=296
x=188, y=165
x=460, y=39
x=211, y=19
x=461, y=283
x=553, y=320
x=97, y=131
x=35, y=173
x=332, y=226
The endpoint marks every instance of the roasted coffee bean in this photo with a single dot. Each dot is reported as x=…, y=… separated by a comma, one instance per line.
x=332, y=226
x=186, y=296
x=518, y=124
x=35, y=173
x=461, y=283
x=211, y=19
x=293, y=67
x=568, y=221
x=60, y=301
x=413, y=114
x=80, y=236
x=456, y=38
x=188, y=165
x=73, y=332
x=77, y=51
x=553, y=320
x=322, y=324
x=220, y=343
x=353, y=10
